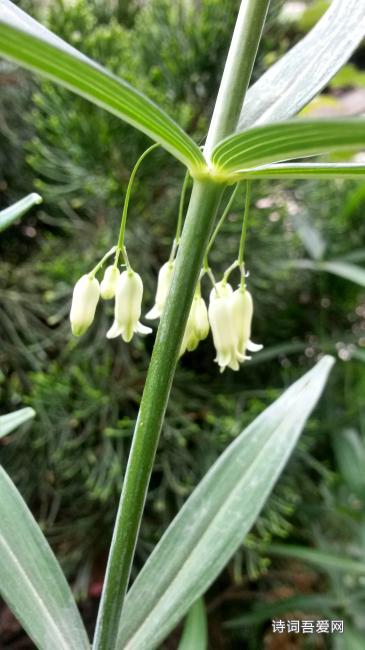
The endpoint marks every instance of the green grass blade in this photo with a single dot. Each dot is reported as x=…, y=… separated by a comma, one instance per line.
x=301, y=73
x=344, y=270
x=13, y=212
x=286, y=141
x=217, y=516
x=11, y=421
x=319, y=604
x=31, y=580
x=25, y=41
x=304, y=171
x=321, y=559
x=195, y=632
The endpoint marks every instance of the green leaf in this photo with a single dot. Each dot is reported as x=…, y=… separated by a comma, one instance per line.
x=342, y=269
x=303, y=171
x=321, y=559
x=25, y=41
x=11, y=421
x=310, y=236
x=195, y=633
x=13, y=212
x=350, y=455
x=301, y=73
x=351, y=639
x=31, y=580
x=215, y=519
x=322, y=604
x=287, y=140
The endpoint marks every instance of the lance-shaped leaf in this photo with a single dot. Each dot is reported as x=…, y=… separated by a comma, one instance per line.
x=286, y=141
x=323, y=559
x=344, y=270
x=25, y=41
x=301, y=73
x=216, y=517
x=195, y=633
x=13, y=212
x=31, y=580
x=11, y=421
x=295, y=171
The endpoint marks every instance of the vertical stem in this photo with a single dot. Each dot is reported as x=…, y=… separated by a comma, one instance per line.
x=218, y=226
x=237, y=71
x=204, y=202
x=202, y=210
x=241, y=252
x=123, y=222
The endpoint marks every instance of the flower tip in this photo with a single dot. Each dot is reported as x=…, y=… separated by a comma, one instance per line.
x=143, y=329
x=153, y=313
x=113, y=332
x=254, y=347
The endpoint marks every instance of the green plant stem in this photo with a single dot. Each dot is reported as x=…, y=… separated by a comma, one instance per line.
x=120, y=245
x=203, y=206
x=241, y=251
x=218, y=226
x=179, y=225
x=237, y=71
x=103, y=259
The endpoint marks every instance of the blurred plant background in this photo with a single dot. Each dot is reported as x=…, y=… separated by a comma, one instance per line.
x=305, y=254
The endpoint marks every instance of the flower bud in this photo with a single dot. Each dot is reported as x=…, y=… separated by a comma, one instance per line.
x=197, y=327
x=163, y=287
x=128, y=302
x=85, y=298
x=242, y=312
x=109, y=282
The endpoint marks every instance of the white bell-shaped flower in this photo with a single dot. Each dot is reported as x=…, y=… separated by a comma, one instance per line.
x=85, y=298
x=163, y=287
x=128, y=303
x=223, y=329
x=109, y=282
x=197, y=327
x=242, y=312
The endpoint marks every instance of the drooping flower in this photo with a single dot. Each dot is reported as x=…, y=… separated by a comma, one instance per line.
x=242, y=312
x=128, y=303
x=197, y=326
x=85, y=298
x=109, y=282
x=163, y=287
x=223, y=328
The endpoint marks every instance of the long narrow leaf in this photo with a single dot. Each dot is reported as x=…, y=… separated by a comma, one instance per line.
x=301, y=73
x=25, y=41
x=288, y=140
x=321, y=559
x=13, y=212
x=292, y=171
x=195, y=633
x=344, y=270
x=319, y=604
x=215, y=519
x=11, y=421
x=31, y=580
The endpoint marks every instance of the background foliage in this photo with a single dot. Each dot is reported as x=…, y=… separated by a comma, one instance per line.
x=69, y=463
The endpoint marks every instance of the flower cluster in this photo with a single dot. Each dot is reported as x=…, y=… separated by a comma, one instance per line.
x=125, y=287
x=228, y=316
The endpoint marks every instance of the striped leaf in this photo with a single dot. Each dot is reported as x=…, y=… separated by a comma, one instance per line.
x=301, y=73
x=25, y=41
x=286, y=141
